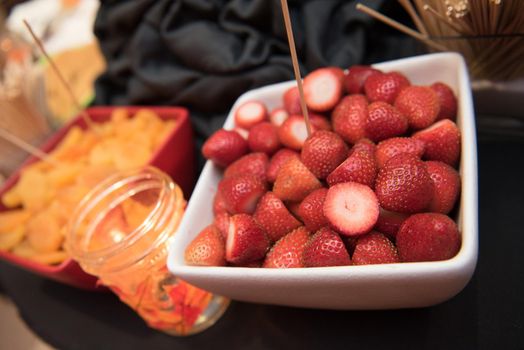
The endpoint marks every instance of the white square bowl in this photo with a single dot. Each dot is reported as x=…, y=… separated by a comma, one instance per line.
x=388, y=286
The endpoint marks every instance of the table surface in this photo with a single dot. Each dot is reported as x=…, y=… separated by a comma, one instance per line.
x=487, y=314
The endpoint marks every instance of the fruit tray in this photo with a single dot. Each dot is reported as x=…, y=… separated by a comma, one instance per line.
x=386, y=286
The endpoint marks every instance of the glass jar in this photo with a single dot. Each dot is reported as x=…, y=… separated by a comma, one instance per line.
x=120, y=233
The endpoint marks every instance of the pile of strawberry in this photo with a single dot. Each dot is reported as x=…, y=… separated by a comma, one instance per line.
x=373, y=184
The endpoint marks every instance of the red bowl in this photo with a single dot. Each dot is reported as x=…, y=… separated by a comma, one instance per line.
x=175, y=156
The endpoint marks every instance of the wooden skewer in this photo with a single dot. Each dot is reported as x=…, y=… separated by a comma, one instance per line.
x=64, y=82
x=292, y=49
x=404, y=29
x=408, y=6
x=6, y=135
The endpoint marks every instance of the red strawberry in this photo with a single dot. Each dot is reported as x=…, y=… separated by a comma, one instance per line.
x=391, y=147
x=252, y=163
x=351, y=208
x=442, y=141
x=219, y=205
x=420, y=105
x=287, y=252
x=389, y=222
x=253, y=264
x=322, y=89
x=221, y=222
x=246, y=240
x=428, y=237
x=325, y=248
x=263, y=137
x=358, y=167
x=447, y=100
x=349, y=118
x=446, y=181
x=384, y=121
x=242, y=132
x=241, y=193
x=385, y=87
x=403, y=184
x=274, y=217
x=206, y=249
x=311, y=212
x=250, y=113
x=294, y=181
x=276, y=162
x=293, y=208
x=339, y=72
x=293, y=132
x=319, y=122
x=224, y=147
x=356, y=76
x=277, y=116
x=365, y=145
x=323, y=152
x=291, y=101
x=374, y=248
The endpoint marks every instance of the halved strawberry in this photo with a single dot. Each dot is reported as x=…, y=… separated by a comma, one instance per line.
x=356, y=76
x=447, y=186
x=403, y=184
x=311, y=211
x=442, y=141
x=277, y=116
x=448, y=101
x=351, y=208
x=325, y=248
x=291, y=101
x=389, y=222
x=263, y=137
x=294, y=181
x=224, y=147
x=349, y=118
x=221, y=222
x=374, y=248
x=250, y=113
x=241, y=193
x=322, y=89
x=428, y=237
x=385, y=87
x=206, y=249
x=293, y=132
x=252, y=163
x=273, y=216
x=420, y=105
x=391, y=147
x=358, y=167
x=384, y=121
x=242, y=132
x=276, y=162
x=288, y=251
x=246, y=240
x=323, y=152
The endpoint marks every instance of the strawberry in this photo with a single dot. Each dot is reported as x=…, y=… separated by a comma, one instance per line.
x=219, y=205
x=242, y=132
x=349, y=118
x=446, y=181
x=274, y=217
x=356, y=76
x=384, y=121
x=252, y=163
x=323, y=152
x=277, y=116
x=447, y=100
x=389, y=222
x=206, y=249
x=263, y=137
x=241, y=193
x=221, y=222
x=442, y=141
x=358, y=167
x=365, y=145
x=256, y=263
x=391, y=147
x=293, y=132
x=291, y=101
x=325, y=248
x=246, y=240
x=224, y=147
x=311, y=212
x=288, y=251
x=374, y=248
x=294, y=181
x=276, y=162
x=420, y=105
x=428, y=237
x=351, y=208
x=293, y=208
x=403, y=184
x=385, y=87
x=319, y=122
x=250, y=113
x=339, y=72
x=322, y=89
